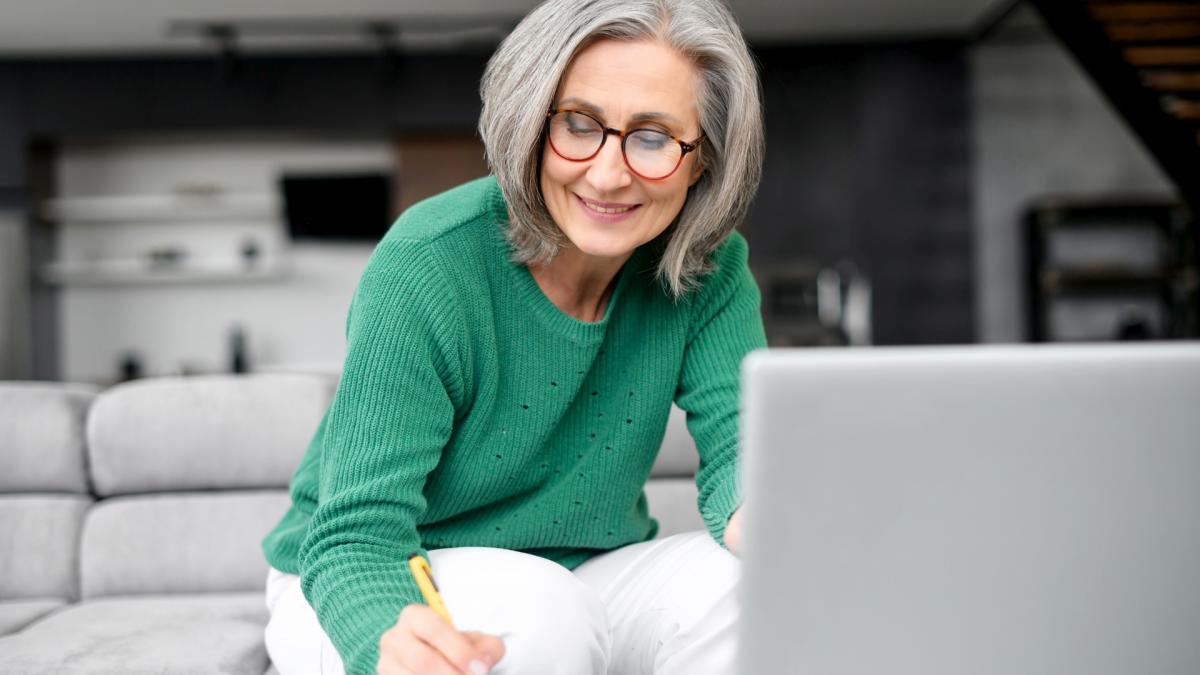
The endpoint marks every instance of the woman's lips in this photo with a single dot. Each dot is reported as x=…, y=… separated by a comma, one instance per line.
x=606, y=212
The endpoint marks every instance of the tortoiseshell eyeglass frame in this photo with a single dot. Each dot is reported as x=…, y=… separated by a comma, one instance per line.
x=684, y=146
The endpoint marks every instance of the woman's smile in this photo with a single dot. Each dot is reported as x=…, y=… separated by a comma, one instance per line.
x=606, y=212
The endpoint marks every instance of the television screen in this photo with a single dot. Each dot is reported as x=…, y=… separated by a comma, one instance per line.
x=348, y=207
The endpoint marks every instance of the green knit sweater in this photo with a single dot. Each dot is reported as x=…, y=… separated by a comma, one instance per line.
x=473, y=412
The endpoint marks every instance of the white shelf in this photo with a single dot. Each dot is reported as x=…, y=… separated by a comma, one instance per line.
x=172, y=208
x=140, y=272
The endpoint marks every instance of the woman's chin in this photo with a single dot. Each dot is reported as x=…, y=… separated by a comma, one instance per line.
x=606, y=250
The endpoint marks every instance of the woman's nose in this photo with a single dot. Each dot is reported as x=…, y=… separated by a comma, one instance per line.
x=608, y=171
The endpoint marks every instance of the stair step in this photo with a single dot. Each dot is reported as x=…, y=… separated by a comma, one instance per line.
x=1171, y=80
x=1144, y=11
x=1163, y=56
x=1156, y=31
x=1183, y=109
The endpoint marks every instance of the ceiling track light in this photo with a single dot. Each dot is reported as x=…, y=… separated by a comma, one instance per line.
x=383, y=33
x=224, y=37
x=233, y=39
x=386, y=37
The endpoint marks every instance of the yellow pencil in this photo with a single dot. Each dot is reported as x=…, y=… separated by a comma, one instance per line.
x=424, y=577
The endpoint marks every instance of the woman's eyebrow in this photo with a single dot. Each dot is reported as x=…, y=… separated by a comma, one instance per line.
x=657, y=117
x=581, y=104
x=639, y=117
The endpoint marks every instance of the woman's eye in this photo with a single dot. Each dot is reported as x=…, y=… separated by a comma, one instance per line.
x=650, y=140
x=579, y=125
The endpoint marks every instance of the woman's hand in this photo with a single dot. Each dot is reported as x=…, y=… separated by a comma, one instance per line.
x=733, y=533
x=423, y=643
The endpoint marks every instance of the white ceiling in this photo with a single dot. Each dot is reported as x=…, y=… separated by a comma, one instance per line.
x=48, y=27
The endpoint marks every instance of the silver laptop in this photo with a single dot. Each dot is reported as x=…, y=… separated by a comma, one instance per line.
x=972, y=511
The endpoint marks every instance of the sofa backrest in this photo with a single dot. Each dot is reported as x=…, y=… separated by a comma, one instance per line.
x=192, y=473
x=168, y=485
x=671, y=491
x=44, y=490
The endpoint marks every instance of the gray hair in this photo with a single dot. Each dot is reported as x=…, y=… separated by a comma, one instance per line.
x=523, y=75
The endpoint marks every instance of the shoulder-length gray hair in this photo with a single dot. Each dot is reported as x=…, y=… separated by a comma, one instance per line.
x=523, y=75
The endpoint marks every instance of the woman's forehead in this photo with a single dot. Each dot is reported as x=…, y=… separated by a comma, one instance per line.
x=625, y=81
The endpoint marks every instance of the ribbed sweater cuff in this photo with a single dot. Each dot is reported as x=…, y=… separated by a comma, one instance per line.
x=721, y=504
x=358, y=604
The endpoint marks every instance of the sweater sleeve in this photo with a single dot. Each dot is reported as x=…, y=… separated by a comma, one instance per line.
x=389, y=420
x=726, y=325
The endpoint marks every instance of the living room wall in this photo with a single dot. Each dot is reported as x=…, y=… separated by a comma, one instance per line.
x=867, y=159
x=1040, y=127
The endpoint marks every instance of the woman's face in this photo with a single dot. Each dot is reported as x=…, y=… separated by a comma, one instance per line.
x=603, y=208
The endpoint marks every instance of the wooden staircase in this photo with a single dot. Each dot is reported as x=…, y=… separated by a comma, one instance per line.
x=1145, y=57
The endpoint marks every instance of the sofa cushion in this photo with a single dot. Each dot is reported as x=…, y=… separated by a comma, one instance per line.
x=196, y=433
x=677, y=456
x=16, y=614
x=39, y=545
x=672, y=502
x=42, y=436
x=178, y=543
x=182, y=634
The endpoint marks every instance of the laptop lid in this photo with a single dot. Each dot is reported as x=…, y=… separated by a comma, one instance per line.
x=981, y=510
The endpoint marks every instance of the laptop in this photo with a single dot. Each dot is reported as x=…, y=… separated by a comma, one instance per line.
x=1030, y=510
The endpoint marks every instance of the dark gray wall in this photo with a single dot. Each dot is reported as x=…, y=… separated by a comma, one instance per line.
x=868, y=159
x=867, y=154
x=15, y=328
x=429, y=93
x=12, y=138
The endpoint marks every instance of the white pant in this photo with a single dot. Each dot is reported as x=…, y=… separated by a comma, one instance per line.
x=666, y=607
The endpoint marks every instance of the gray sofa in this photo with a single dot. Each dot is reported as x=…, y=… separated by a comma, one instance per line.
x=130, y=518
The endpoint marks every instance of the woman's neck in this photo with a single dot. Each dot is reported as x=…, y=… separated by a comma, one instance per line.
x=578, y=284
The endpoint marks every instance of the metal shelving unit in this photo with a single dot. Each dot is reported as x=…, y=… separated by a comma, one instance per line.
x=1136, y=255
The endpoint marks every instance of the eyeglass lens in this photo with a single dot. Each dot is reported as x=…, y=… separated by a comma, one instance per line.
x=650, y=153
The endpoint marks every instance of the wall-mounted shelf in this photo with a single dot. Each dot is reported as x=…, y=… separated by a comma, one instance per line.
x=127, y=240
x=141, y=272
x=1107, y=281
x=214, y=207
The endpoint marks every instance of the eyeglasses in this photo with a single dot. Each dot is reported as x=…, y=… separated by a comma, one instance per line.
x=649, y=153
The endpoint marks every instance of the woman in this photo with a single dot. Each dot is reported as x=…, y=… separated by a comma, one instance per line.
x=514, y=348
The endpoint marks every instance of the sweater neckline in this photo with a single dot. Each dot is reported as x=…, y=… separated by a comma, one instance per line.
x=586, y=332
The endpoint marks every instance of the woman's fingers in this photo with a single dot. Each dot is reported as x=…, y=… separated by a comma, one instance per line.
x=403, y=653
x=489, y=645
x=409, y=656
x=455, y=646
x=733, y=533
x=422, y=642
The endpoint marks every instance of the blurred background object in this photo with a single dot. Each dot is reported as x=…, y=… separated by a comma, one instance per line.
x=1122, y=268
x=171, y=170
x=804, y=305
